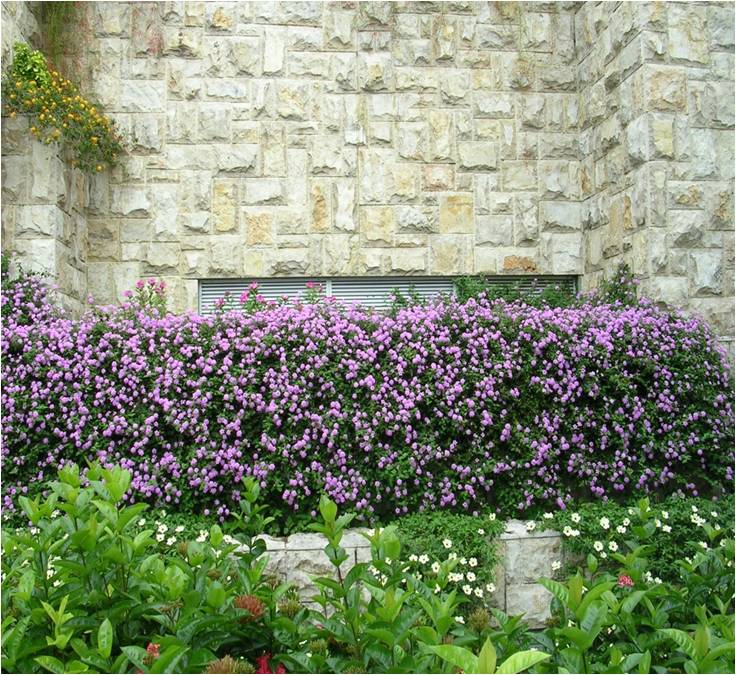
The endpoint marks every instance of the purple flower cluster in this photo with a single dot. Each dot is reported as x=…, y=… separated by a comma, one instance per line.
x=446, y=405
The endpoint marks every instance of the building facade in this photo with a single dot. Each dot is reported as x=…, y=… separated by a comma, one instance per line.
x=375, y=139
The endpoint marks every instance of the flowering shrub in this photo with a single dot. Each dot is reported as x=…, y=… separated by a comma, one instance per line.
x=58, y=111
x=614, y=616
x=596, y=527
x=448, y=405
x=432, y=537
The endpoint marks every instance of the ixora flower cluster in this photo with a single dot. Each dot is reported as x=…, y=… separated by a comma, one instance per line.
x=466, y=405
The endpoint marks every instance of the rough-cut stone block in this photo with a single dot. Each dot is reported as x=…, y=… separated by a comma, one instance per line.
x=450, y=252
x=477, y=156
x=706, y=272
x=456, y=214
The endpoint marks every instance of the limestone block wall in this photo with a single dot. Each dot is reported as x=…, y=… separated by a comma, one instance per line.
x=44, y=200
x=525, y=557
x=656, y=87
x=342, y=138
x=406, y=138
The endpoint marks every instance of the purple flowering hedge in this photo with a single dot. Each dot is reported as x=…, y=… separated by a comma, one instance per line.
x=475, y=405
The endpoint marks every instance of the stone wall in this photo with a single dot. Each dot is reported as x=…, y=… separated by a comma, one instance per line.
x=414, y=138
x=525, y=557
x=345, y=138
x=657, y=149
x=44, y=200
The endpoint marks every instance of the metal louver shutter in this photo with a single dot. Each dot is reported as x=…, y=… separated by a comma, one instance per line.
x=211, y=290
x=378, y=292
x=368, y=291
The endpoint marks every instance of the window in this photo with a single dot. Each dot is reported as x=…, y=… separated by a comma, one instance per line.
x=370, y=291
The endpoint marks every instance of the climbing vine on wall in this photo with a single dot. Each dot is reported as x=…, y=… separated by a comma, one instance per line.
x=58, y=112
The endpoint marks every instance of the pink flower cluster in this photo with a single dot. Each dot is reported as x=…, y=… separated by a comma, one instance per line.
x=446, y=405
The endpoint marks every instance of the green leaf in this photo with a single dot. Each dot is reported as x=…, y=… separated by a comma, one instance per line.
x=681, y=639
x=521, y=661
x=136, y=656
x=13, y=638
x=50, y=663
x=556, y=588
x=328, y=509
x=457, y=656
x=487, y=658
x=632, y=601
x=25, y=585
x=575, y=591
x=702, y=640
x=646, y=662
x=216, y=595
x=215, y=536
x=105, y=638
x=166, y=663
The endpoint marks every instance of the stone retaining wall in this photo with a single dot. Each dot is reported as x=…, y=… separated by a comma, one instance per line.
x=524, y=558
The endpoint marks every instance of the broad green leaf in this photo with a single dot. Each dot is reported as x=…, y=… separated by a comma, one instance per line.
x=521, y=661
x=13, y=638
x=575, y=591
x=646, y=662
x=53, y=665
x=681, y=639
x=702, y=640
x=216, y=595
x=104, y=639
x=556, y=588
x=487, y=658
x=457, y=656
x=215, y=536
x=328, y=509
x=25, y=585
x=166, y=663
x=632, y=601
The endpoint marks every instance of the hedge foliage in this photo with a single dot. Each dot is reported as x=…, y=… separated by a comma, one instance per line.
x=480, y=405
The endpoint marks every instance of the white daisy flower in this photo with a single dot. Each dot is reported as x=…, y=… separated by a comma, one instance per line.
x=470, y=576
x=423, y=559
x=665, y=515
x=467, y=589
x=605, y=523
x=613, y=546
x=627, y=522
x=481, y=531
x=160, y=537
x=666, y=528
x=413, y=557
x=556, y=564
x=435, y=567
x=447, y=543
x=459, y=619
x=621, y=529
x=492, y=516
x=141, y=522
x=478, y=592
x=548, y=516
x=598, y=546
x=473, y=562
x=575, y=517
x=530, y=526
x=491, y=588
x=179, y=529
x=171, y=541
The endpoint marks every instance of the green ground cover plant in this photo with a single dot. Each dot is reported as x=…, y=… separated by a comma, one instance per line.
x=84, y=591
